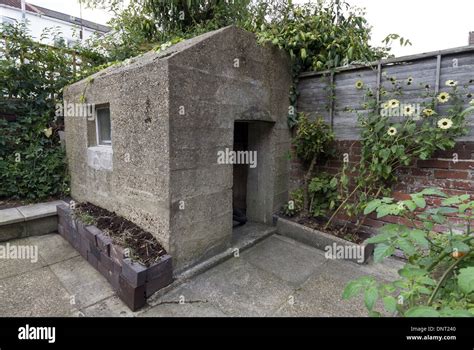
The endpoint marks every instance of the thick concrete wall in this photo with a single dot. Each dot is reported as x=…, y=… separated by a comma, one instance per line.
x=137, y=186
x=216, y=82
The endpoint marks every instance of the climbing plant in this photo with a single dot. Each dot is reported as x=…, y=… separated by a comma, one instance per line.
x=396, y=133
x=32, y=164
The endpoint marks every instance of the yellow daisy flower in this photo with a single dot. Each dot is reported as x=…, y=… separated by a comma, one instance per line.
x=443, y=97
x=393, y=103
x=359, y=84
x=392, y=131
x=445, y=123
x=408, y=110
x=428, y=112
x=451, y=83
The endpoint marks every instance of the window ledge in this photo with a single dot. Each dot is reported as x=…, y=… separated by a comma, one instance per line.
x=100, y=157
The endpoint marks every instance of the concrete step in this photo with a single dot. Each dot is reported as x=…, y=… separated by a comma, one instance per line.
x=29, y=220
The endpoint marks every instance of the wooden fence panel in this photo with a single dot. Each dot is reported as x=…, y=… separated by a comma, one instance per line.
x=428, y=69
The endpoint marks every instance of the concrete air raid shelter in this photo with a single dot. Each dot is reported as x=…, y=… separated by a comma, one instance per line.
x=158, y=147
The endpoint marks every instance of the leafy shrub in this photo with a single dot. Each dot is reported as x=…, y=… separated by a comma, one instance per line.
x=32, y=162
x=438, y=279
x=295, y=204
x=323, y=192
x=312, y=143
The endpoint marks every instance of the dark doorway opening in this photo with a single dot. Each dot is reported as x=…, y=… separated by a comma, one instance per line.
x=240, y=173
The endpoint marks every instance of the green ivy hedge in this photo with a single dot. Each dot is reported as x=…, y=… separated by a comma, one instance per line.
x=32, y=161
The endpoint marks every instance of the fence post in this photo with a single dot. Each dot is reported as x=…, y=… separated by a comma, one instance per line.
x=379, y=81
x=333, y=97
x=438, y=73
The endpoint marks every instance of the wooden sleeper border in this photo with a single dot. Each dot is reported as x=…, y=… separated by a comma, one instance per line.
x=132, y=281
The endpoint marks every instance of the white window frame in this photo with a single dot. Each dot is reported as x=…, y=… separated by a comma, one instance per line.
x=107, y=143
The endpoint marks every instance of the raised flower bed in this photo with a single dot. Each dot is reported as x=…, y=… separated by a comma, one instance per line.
x=133, y=281
x=335, y=247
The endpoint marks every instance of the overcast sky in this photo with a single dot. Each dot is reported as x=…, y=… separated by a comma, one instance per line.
x=429, y=24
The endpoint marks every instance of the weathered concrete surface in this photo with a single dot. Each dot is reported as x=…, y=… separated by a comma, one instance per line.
x=244, y=82
x=277, y=277
x=87, y=286
x=171, y=112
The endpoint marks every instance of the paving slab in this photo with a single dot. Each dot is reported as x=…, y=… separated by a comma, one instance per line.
x=287, y=259
x=110, y=307
x=35, y=293
x=238, y=288
x=321, y=294
x=183, y=302
x=53, y=248
x=12, y=267
x=82, y=281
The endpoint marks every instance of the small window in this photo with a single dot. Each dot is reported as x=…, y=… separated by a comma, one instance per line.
x=103, y=126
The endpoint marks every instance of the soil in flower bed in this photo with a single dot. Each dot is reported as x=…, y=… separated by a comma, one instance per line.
x=348, y=232
x=7, y=203
x=143, y=247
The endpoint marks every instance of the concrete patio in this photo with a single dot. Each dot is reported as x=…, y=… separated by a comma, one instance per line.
x=276, y=277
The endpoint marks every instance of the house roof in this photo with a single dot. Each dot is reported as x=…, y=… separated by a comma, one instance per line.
x=56, y=15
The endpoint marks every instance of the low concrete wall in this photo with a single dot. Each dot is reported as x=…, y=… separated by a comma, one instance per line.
x=319, y=239
x=30, y=220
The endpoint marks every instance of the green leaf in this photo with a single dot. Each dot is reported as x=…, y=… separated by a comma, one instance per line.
x=407, y=247
x=390, y=303
x=352, y=289
x=411, y=272
x=460, y=246
x=382, y=251
x=370, y=297
x=419, y=237
x=421, y=311
x=466, y=279
x=371, y=206
x=419, y=201
x=380, y=238
x=303, y=53
x=448, y=312
x=455, y=199
x=410, y=205
x=433, y=192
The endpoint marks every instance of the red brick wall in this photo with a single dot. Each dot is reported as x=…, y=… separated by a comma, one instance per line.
x=442, y=171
